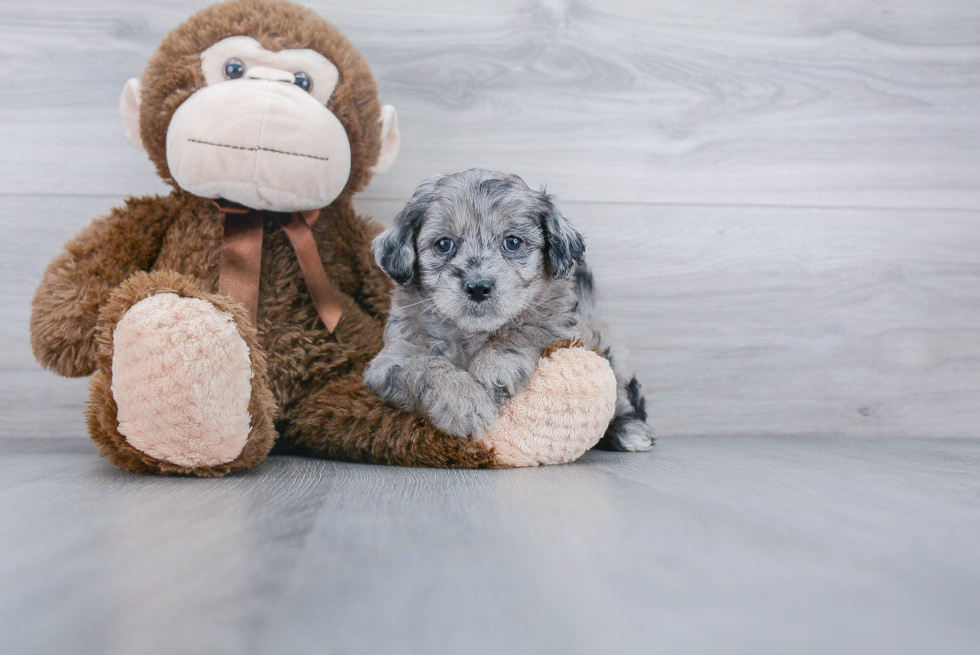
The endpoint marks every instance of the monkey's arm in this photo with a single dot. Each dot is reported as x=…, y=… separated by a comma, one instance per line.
x=407, y=377
x=78, y=281
x=560, y=414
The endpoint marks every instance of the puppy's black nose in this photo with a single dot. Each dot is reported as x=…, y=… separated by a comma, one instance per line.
x=479, y=289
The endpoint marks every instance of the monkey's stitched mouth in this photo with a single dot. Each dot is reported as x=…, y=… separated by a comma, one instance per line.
x=256, y=148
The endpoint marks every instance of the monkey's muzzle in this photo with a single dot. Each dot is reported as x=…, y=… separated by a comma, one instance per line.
x=264, y=144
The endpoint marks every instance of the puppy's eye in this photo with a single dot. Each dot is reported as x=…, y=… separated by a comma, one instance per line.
x=512, y=243
x=234, y=69
x=303, y=81
x=444, y=246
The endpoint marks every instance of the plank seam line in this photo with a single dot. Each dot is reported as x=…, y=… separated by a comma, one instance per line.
x=960, y=210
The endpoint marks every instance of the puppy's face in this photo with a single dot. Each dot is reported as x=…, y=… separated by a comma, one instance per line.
x=480, y=254
x=480, y=245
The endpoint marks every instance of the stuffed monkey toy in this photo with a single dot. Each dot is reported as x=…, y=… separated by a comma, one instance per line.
x=236, y=315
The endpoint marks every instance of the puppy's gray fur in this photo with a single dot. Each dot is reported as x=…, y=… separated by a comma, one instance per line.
x=456, y=355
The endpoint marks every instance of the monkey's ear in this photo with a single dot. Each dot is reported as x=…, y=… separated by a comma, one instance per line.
x=563, y=242
x=391, y=139
x=129, y=107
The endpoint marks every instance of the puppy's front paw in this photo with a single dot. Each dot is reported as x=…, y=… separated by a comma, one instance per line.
x=468, y=413
x=502, y=373
x=628, y=434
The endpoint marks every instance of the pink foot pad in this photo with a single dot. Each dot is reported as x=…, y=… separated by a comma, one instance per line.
x=563, y=411
x=181, y=379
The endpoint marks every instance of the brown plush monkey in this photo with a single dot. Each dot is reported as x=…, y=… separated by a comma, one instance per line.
x=238, y=312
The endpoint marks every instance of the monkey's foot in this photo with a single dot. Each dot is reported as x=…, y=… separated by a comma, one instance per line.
x=179, y=389
x=181, y=379
x=563, y=411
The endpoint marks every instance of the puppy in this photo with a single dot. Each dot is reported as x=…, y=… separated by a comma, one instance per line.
x=488, y=275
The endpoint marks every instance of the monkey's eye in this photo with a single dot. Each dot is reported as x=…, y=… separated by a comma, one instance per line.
x=444, y=246
x=512, y=243
x=303, y=81
x=234, y=69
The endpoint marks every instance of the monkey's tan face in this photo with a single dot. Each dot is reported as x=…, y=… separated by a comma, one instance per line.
x=259, y=133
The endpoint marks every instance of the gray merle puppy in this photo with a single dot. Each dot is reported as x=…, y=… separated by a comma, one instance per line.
x=488, y=275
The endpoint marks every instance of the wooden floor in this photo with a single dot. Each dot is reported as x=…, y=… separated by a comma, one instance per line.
x=706, y=545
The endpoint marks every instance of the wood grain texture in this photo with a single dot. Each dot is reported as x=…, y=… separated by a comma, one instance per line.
x=781, y=200
x=794, y=103
x=708, y=545
x=738, y=320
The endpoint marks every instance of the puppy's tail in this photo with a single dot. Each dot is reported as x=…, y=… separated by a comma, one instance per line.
x=585, y=290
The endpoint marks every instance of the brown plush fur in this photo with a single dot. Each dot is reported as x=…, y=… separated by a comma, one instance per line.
x=79, y=280
x=566, y=343
x=343, y=420
x=307, y=381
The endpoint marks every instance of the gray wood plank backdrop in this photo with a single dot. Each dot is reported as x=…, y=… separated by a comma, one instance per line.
x=781, y=199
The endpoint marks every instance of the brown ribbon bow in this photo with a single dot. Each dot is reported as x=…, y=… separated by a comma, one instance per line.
x=241, y=259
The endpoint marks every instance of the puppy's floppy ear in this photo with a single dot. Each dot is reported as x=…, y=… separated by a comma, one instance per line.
x=394, y=249
x=563, y=243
